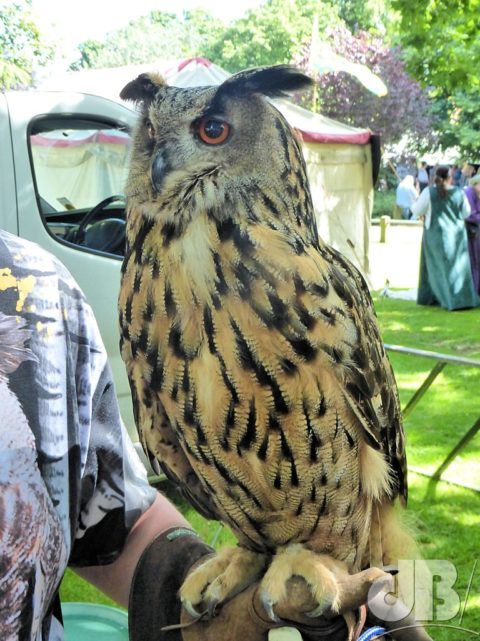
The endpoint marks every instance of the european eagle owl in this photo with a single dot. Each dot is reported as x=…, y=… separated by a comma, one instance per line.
x=259, y=378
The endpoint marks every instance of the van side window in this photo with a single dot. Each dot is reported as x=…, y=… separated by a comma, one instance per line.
x=79, y=169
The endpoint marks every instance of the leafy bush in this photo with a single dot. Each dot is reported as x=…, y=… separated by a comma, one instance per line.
x=383, y=203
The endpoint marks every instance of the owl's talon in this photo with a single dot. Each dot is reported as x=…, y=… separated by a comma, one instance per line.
x=192, y=611
x=212, y=608
x=319, y=572
x=267, y=604
x=218, y=578
x=317, y=612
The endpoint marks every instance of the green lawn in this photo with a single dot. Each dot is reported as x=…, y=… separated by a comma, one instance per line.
x=452, y=405
x=448, y=529
x=448, y=523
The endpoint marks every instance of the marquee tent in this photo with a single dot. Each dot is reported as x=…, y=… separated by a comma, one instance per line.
x=338, y=157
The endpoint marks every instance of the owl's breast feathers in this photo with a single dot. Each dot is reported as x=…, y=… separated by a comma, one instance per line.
x=260, y=378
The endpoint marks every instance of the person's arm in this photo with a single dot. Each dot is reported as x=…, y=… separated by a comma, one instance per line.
x=413, y=195
x=421, y=207
x=115, y=579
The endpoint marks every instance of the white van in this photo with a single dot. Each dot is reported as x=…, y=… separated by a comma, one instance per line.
x=63, y=167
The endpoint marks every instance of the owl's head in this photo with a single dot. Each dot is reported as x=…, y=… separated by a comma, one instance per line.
x=211, y=141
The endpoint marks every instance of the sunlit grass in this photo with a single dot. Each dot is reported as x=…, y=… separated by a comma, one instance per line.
x=447, y=527
x=74, y=588
x=452, y=404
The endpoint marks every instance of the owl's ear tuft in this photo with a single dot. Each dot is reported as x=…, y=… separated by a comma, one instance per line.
x=275, y=81
x=143, y=89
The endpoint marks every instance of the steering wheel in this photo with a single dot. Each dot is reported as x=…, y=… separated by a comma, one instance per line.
x=79, y=235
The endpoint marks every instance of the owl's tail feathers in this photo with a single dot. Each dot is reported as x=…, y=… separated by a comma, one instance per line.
x=391, y=541
x=391, y=537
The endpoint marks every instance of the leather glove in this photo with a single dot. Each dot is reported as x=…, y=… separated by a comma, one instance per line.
x=245, y=618
x=154, y=602
x=155, y=612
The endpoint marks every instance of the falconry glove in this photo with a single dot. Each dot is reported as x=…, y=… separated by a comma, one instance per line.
x=156, y=614
x=155, y=611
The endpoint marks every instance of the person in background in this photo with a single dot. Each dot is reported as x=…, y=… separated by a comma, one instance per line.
x=445, y=273
x=456, y=176
x=406, y=195
x=422, y=177
x=472, y=193
x=468, y=172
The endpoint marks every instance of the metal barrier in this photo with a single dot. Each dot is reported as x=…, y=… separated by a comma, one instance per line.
x=442, y=360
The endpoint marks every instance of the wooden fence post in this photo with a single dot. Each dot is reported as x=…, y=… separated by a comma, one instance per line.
x=384, y=224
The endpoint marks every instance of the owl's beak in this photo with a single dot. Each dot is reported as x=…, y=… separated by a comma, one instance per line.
x=160, y=168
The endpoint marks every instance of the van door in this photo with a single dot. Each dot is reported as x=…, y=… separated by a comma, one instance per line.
x=8, y=200
x=71, y=153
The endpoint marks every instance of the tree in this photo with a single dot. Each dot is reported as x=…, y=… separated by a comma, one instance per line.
x=441, y=45
x=21, y=45
x=458, y=116
x=440, y=41
x=364, y=15
x=272, y=33
x=146, y=39
x=91, y=52
x=405, y=110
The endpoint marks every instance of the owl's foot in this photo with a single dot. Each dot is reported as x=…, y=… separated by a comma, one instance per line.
x=220, y=578
x=320, y=572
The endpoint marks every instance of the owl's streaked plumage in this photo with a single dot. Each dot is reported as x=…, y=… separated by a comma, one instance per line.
x=259, y=378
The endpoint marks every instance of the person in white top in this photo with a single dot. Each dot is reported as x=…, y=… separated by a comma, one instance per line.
x=406, y=195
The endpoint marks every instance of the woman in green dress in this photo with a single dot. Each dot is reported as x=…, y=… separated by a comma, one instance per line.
x=445, y=273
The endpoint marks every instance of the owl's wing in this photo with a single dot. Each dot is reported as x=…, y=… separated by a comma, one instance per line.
x=369, y=385
x=165, y=453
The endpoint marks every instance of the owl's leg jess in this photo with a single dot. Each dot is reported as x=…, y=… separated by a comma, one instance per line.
x=319, y=571
x=220, y=578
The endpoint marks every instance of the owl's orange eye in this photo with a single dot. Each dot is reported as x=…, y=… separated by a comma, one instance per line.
x=212, y=132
